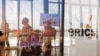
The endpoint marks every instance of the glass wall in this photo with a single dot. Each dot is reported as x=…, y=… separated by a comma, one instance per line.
x=11, y=14
x=25, y=11
x=33, y=10
x=79, y=14
x=38, y=9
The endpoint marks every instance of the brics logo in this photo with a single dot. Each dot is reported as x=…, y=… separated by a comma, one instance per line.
x=81, y=32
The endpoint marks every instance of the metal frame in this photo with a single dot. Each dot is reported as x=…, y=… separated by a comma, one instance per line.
x=98, y=30
x=3, y=9
x=46, y=7
x=62, y=28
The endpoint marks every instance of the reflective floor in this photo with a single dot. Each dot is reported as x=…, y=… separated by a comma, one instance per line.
x=82, y=47
x=79, y=47
x=14, y=52
x=13, y=44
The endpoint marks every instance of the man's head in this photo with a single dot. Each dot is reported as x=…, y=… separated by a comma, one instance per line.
x=25, y=21
x=47, y=23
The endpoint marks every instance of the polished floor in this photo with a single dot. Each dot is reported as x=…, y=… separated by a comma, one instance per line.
x=83, y=47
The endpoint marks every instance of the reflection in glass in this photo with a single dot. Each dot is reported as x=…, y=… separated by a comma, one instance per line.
x=38, y=8
x=84, y=1
x=94, y=2
x=24, y=0
x=0, y=12
x=67, y=1
x=80, y=12
x=11, y=14
x=66, y=22
x=75, y=1
x=53, y=0
x=85, y=15
x=25, y=11
x=53, y=8
x=94, y=17
x=60, y=0
x=67, y=26
x=75, y=17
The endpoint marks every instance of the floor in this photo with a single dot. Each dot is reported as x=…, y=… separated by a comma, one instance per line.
x=82, y=47
x=79, y=47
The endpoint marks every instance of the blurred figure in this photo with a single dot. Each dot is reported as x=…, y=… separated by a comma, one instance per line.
x=49, y=33
x=46, y=49
x=26, y=51
x=26, y=25
x=35, y=43
x=5, y=30
x=32, y=46
x=4, y=37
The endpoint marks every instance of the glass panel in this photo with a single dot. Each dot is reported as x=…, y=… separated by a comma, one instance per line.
x=67, y=25
x=84, y=1
x=0, y=12
x=37, y=10
x=67, y=1
x=60, y=0
x=94, y=18
x=75, y=17
x=53, y=0
x=81, y=43
x=85, y=15
x=25, y=0
x=11, y=14
x=95, y=2
x=25, y=11
x=60, y=10
x=53, y=8
x=12, y=19
x=75, y=1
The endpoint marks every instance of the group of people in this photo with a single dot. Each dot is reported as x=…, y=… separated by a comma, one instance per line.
x=31, y=42
x=34, y=44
